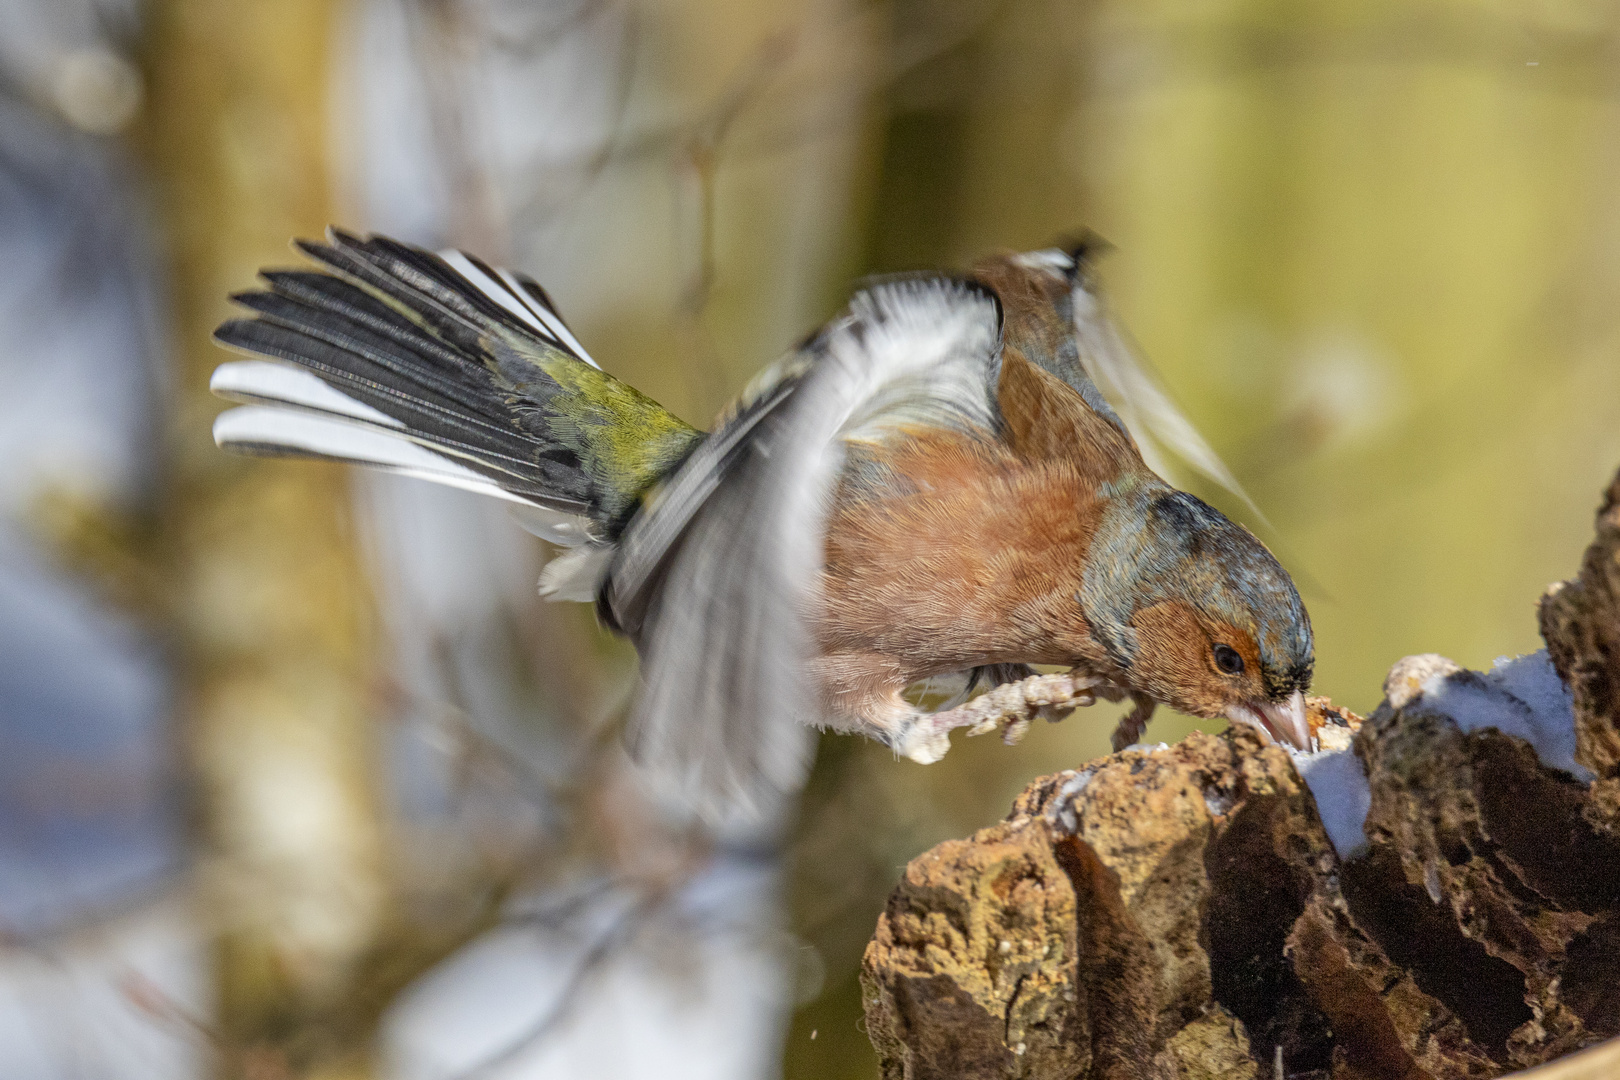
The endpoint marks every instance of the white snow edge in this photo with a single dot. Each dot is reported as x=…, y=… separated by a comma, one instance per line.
x=1520, y=696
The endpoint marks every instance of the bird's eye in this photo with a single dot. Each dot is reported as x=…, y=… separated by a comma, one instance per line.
x=1228, y=660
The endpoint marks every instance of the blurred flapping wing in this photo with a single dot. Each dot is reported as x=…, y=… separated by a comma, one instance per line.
x=716, y=579
x=1147, y=411
x=1094, y=356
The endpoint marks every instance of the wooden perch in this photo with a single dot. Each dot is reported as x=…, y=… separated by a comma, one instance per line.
x=1182, y=913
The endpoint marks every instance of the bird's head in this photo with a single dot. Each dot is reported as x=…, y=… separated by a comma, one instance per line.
x=1198, y=613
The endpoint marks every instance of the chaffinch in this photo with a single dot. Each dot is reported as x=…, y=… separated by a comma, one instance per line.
x=935, y=483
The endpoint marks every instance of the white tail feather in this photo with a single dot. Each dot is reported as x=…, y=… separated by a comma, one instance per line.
x=261, y=381
x=510, y=294
x=549, y=317
x=325, y=434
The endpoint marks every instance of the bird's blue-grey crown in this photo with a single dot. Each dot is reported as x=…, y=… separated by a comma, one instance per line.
x=1156, y=543
x=1242, y=583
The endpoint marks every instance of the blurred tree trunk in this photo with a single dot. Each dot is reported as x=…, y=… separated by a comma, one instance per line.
x=273, y=611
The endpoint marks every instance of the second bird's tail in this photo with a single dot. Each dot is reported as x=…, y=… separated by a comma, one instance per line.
x=443, y=368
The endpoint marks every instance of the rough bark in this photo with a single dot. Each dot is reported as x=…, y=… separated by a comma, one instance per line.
x=1180, y=912
x=1580, y=624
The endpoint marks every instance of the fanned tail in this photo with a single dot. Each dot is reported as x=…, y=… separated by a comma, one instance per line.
x=443, y=368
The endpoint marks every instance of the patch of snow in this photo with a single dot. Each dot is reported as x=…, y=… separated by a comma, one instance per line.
x=1060, y=810
x=1520, y=696
x=1342, y=796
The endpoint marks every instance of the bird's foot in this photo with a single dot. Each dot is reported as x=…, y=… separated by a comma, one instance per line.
x=1012, y=706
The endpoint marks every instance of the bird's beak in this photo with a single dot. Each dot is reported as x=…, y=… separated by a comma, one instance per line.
x=1282, y=721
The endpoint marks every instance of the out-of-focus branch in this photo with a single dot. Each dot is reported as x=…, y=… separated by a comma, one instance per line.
x=445, y=41
x=702, y=146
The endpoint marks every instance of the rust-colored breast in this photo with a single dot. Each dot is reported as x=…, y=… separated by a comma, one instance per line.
x=948, y=550
x=969, y=554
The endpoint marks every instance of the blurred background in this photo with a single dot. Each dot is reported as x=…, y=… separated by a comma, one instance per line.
x=298, y=778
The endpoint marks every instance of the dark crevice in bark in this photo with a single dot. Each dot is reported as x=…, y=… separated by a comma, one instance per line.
x=1534, y=818
x=1590, y=987
x=1418, y=934
x=1255, y=897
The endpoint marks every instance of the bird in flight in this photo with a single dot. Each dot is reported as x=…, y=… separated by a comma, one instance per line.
x=951, y=478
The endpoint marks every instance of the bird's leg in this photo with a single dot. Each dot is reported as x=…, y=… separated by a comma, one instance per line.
x=891, y=719
x=863, y=693
x=1132, y=724
x=921, y=741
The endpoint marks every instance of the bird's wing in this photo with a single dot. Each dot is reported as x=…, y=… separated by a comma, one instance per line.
x=1114, y=379
x=1136, y=394
x=716, y=579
